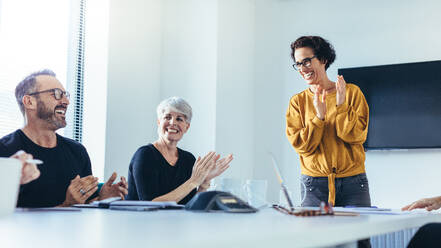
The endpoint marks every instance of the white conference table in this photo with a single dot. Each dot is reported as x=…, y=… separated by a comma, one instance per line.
x=178, y=228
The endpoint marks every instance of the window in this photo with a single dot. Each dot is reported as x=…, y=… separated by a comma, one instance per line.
x=31, y=38
x=52, y=34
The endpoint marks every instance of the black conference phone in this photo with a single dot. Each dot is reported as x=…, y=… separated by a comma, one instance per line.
x=218, y=201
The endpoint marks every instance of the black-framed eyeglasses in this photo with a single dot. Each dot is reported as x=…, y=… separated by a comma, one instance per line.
x=58, y=93
x=306, y=63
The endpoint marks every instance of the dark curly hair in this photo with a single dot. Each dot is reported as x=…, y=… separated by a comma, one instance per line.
x=323, y=50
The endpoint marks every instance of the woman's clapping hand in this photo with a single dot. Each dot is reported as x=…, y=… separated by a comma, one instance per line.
x=341, y=90
x=221, y=165
x=202, y=167
x=209, y=167
x=319, y=102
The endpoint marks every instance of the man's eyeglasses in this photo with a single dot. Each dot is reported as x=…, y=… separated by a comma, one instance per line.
x=58, y=93
x=306, y=63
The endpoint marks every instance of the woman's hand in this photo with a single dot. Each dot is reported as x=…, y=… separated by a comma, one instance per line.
x=221, y=165
x=29, y=172
x=320, y=102
x=428, y=203
x=203, y=167
x=341, y=90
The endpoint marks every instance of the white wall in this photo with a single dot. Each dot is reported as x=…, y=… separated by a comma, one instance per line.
x=95, y=83
x=188, y=66
x=133, y=79
x=363, y=33
x=235, y=108
x=271, y=58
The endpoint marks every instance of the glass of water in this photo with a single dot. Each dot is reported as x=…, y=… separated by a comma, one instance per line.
x=256, y=192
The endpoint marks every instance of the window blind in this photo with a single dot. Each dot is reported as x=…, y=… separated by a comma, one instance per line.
x=76, y=83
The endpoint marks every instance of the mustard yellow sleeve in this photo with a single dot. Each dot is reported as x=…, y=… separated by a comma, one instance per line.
x=303, y=137
x=353, y=117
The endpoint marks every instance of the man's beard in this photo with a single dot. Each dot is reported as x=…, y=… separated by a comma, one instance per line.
x=48, y=115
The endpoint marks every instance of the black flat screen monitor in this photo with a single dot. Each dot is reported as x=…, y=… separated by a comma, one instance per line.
x=404, y=104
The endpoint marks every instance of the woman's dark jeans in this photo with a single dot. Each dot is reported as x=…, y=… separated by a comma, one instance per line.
x=349, y=191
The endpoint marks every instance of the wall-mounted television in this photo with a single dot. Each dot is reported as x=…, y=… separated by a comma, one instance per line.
x=404, y=104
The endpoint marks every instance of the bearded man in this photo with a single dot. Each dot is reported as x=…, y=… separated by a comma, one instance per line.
x=66, y=173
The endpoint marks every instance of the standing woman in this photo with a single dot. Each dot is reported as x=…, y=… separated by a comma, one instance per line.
x=327, y=125
x=163, y=172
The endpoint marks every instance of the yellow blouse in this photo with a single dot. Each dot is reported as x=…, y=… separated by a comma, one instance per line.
x=332, y=147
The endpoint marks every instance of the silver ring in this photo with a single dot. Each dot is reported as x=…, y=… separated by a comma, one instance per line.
x=82, y=192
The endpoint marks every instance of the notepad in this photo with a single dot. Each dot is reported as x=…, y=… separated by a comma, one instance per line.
x=164, y=205
x=134, y=208
x=373, y=209
x=54, y=209
x=381, y=211
x=117, y=202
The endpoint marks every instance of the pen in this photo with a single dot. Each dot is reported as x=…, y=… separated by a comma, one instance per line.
x=34, y=161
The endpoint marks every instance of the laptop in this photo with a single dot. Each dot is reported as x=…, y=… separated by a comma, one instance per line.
x=324, y=209
x=282, y=184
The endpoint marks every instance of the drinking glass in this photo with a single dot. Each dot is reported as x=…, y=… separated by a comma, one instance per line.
x=256, y=192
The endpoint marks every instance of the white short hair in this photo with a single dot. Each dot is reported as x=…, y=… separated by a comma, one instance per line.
x=175, y=104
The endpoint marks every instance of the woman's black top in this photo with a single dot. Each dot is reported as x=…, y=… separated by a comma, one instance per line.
x=150, y=175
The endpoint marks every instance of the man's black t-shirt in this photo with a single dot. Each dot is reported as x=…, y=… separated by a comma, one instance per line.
x=60, y=165
x=150, y=175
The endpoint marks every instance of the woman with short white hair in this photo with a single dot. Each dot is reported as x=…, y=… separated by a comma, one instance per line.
x=163, y=172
